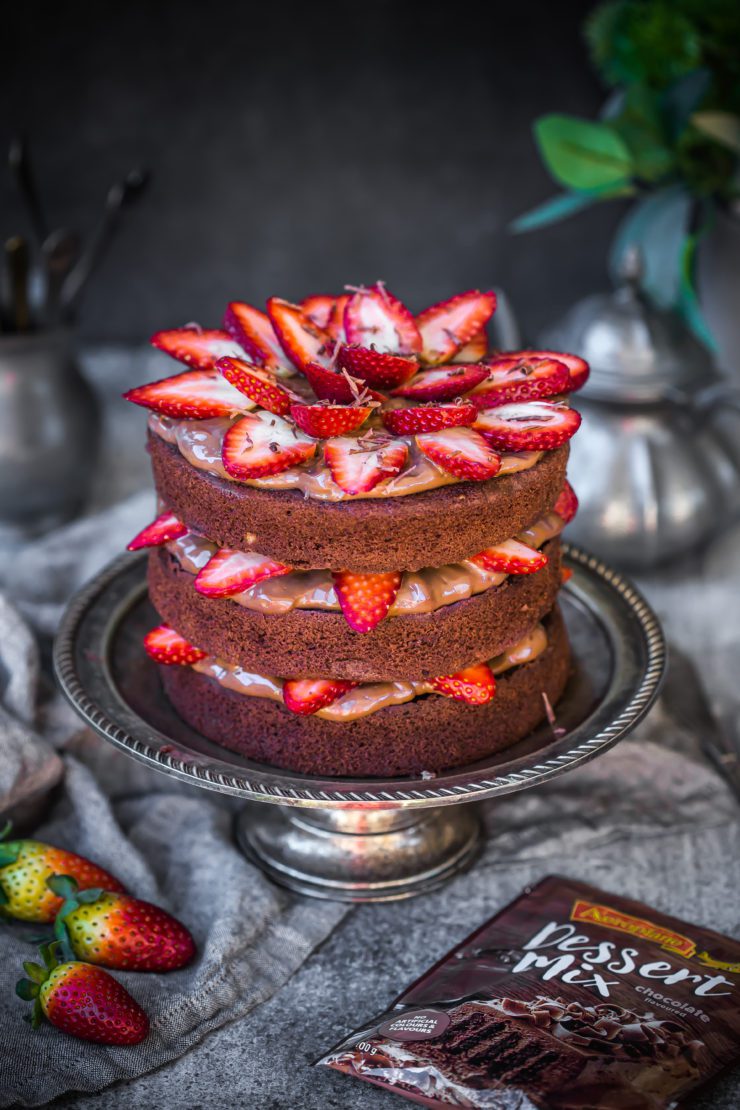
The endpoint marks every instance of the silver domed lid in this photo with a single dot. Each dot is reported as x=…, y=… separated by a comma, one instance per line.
x=636, y=352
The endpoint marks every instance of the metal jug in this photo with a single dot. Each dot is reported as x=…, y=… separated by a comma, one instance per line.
x=656, y=462
x=49, y=434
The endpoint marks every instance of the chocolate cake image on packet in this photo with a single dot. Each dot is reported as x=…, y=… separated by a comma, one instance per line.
x=570, y=998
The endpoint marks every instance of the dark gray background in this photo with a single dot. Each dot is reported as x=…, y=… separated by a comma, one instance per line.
x=298, y=147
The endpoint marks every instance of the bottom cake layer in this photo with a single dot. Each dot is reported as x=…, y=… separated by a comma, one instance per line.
x=431, y=733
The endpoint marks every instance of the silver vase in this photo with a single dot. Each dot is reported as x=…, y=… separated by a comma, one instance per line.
x=49, y=431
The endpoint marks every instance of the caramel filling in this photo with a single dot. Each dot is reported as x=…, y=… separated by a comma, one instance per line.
x=200, y=441
x=421, y=591
x=368, y=697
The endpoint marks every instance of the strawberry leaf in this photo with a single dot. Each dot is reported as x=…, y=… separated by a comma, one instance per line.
x=63, y=885
x=35, y=972
x=26, y=989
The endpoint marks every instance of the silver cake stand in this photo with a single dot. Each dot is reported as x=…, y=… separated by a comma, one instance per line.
x=351, y=839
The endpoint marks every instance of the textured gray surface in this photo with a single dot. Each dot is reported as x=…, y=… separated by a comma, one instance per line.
x=637, y=821
x=295, y=148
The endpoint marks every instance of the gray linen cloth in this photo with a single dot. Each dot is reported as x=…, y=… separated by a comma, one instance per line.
x=642, y=820
x=167, y=843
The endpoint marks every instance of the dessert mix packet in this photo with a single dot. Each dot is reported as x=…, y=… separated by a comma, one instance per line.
x=568, y=998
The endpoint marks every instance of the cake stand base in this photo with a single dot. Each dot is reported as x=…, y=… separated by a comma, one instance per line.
x=359, y=855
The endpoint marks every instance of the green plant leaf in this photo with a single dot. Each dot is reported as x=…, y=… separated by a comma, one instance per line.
x=723, y=127
x=564, y=205
x=581, y=154
x=682, y=98
x=689, y=307
x=631, y=40
x=657, y=224
x=640, y=124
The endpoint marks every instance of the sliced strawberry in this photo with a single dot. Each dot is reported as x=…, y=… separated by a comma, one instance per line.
x=257, y=384
x=194, y=395
x=534, y=426
x=301, y=339
x=566, y=505
x=375, y=318
x=566, y=573
x=325, y=420
x=358, y=465
x=578, y=368
x=231, y=572
x=308, y=695
x=366, y=598
x=510, y=557
x=428, y=418
x=474, y=350
x=335, y=324
x=462, y=452
x=375, y=368
x=474, y=685
x=261, y=444
x=443, y=384
x=329, y=383
x=327, y=313
x=320, y=308
x=253, y=330
x=165, y=528
x=513, y=378
x=164, y=645
x=446, y=327
x=200, y=348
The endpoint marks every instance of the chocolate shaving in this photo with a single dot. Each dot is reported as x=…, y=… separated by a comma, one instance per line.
x=335, y=354
x=556, y=729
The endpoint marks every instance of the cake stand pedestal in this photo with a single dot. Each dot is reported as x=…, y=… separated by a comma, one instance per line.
x=359, y=855
x=351, y=839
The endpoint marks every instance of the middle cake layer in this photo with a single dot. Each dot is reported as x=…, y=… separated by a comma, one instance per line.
x=306, y=643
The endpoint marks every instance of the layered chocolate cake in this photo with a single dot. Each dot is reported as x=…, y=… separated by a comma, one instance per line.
x=357, y=556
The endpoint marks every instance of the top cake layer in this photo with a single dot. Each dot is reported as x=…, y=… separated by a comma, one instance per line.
x=346, y=433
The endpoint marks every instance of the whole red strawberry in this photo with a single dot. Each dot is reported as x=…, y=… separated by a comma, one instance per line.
x=118, y=931
x=81, y=1000
x=25, y=865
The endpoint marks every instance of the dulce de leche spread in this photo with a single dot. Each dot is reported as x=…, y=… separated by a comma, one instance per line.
x=200, y=442
x=367, y=697
x=421, y=591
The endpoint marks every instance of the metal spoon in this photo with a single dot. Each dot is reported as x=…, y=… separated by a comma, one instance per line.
x=60, y=251
x=19, y=159
x=119, y=197
x=16, y=262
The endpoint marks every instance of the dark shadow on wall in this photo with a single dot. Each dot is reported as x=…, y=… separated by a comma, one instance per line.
x=298, y=147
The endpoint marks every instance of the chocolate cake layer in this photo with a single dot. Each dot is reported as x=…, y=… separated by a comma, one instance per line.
x=423, y=529
x=311, y=643
x=431, y=733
